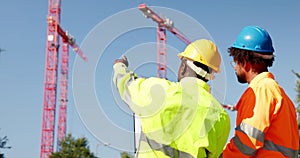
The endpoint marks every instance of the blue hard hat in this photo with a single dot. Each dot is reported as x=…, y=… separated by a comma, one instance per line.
x=255, y=39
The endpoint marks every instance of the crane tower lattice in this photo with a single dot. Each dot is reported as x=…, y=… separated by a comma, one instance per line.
x=54, y=32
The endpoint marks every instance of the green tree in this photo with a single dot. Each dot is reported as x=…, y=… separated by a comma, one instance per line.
x=73, y=148
x=298, y=100
x=125, y=155
x=3, y=142
x=298, y=95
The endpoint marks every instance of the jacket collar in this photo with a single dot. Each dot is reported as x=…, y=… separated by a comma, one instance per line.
x=261, y=76
x=199, y=82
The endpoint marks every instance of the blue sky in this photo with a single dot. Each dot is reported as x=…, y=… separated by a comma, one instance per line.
x=23, y=34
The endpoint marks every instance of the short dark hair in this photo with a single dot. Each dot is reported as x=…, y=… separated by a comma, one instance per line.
x=257, y=59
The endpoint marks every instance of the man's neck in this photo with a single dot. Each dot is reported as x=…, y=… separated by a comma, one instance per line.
x=251, y=75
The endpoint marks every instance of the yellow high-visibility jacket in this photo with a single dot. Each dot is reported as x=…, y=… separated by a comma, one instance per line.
x=179, y=119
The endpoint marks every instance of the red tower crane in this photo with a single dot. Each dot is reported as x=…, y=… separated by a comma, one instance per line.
x=163, y=25
x=50, y=79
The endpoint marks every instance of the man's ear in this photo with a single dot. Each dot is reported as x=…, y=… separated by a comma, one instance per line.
x=247, y=66
x=183, y=68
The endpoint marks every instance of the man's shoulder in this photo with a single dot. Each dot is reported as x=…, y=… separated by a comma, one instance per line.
x=265, y=79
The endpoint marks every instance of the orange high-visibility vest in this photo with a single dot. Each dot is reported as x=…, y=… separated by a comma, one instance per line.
x=266, y=124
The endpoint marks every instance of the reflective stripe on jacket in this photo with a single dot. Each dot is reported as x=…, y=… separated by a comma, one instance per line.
x=179, y=119
x=266, y=124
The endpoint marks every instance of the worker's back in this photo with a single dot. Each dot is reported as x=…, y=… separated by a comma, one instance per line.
x=178, y=118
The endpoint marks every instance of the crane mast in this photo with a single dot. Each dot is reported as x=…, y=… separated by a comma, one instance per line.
x=163, y=25
x=54, y=31
x=50, y=79
x=63, y=93
x=161, y=52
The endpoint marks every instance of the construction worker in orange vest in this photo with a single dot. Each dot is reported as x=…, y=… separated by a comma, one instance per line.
x=266, y=124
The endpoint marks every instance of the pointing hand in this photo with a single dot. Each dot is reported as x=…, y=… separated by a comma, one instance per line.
x=122, y=60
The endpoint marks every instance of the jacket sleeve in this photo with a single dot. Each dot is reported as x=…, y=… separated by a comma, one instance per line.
x=122, y=78
x=143, y=96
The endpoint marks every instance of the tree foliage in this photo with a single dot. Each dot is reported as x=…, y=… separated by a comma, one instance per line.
x=73, y=148
x=298, y=100
x=3, y=145
x=3, y=142
x=298, y=96
x=125, y=155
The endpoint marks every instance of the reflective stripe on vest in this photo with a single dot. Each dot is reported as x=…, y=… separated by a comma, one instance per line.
x=242, y=147
x=269, y=145
x=251, y=131
x=166, y=149
x=259, y=135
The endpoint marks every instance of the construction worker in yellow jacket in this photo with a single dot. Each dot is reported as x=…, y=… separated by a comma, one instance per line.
x=266, y=124
x=179, y=119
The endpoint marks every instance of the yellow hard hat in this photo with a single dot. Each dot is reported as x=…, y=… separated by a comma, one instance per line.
x=203, y=51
